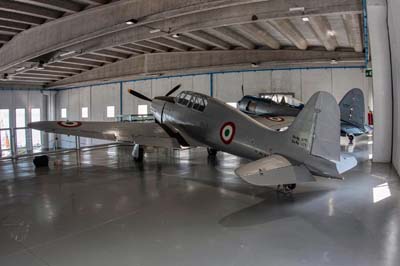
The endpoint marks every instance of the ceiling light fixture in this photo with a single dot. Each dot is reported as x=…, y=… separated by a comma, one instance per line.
x=20, y=69
x=331, y=33
x=40, y=66
x=131, y=21
x=296, y=9
x=155, y=31
x=305, y=19
x=67, y=53
x=254, y=65
x=176, y=35
x=334, y=62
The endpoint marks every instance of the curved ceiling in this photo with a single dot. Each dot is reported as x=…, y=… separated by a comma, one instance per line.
x=71, y=42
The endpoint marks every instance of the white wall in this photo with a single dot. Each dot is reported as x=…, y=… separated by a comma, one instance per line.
x=394, y=22
x=226, y=86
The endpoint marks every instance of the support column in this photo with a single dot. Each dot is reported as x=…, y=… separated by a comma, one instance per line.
x=382, y=80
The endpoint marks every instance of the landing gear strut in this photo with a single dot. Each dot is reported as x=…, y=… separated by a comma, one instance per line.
x=286, y=188
x=211, y=152
x=138, y=153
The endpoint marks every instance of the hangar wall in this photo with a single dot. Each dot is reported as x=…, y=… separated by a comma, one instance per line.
x=226, y=86
x=394, y=22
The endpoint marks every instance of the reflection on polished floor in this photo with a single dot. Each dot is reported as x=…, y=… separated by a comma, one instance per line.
x=181, y=208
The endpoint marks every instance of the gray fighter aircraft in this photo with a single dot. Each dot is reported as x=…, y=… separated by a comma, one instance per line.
x=309, y=146
x=281, y=113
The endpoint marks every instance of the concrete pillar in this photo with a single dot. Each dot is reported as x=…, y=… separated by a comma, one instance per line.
x=382, y=80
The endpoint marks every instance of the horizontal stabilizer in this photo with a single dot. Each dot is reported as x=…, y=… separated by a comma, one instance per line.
x=273, y=170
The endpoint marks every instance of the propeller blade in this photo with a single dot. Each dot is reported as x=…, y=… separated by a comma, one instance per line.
x=174, y=89
x=139, y=95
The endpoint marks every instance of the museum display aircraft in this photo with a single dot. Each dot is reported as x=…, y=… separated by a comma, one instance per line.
x=281, y=113
x=310, y=146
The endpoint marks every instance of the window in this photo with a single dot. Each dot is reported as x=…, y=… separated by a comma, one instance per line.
x=20, y=122
x=233, y=104
x=5, y=134
x=4, y=118
x=20, y=118
x=85, y=112
x=110, y=111
x=142, y=109
x=63, y=112
x=36, y=135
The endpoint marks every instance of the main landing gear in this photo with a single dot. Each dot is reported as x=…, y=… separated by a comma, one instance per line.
x=212, y=152
x=138, y=153
x=286, y=189
x=351, y=138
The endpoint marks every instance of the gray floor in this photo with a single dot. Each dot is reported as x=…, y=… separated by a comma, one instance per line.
x=184, y=209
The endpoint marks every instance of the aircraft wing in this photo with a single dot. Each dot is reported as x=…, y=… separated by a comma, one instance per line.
x=144, y=133
x=273, y=170
x=275, y=122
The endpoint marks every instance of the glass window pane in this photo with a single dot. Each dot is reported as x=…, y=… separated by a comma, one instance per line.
x=110, y=111
x=35, y=114
x=63, y=112
x=4, y=118
x=20, y=117
x=21, y=138
x=142, y=109
x=85, y=112
x=5, y=139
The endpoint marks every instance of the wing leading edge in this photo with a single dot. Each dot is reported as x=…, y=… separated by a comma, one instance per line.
x=149, y=133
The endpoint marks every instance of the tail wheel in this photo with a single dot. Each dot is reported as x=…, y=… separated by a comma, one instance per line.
x=351, y=138
x=289, y=187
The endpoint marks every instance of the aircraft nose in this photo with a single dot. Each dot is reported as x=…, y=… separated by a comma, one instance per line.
x=156, y=108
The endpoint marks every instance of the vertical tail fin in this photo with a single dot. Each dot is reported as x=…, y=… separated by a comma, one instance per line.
x=352, y=109
x=316, y=129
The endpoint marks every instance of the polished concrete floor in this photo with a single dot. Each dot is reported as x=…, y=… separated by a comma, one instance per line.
x=181, y=208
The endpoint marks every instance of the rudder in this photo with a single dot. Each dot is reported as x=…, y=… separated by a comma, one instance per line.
x=352, y=109
x=317, y=127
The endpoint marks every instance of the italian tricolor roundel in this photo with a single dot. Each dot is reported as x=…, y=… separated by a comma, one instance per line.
x=69, y=123
x=275, y=118
x=227, y=132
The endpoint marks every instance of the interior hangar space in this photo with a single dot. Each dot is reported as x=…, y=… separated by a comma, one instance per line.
x=207, y=132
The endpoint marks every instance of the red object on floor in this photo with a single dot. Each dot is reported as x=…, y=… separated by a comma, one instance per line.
x=370, y=118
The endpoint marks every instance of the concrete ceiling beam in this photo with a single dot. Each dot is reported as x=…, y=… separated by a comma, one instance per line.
x=233, y=37
x=14, y=17
x=259, y=34
x=78, y=28
x=60, y=5
x=97, y=58
x=324, y=32
x=209, y=39
x=170, y=44
x=184, y=62
x=13, y=25
x=30, y=10
x=153, y=46
x=190, y=42
x=353, y=29
x=112, y=54
x=287, y=29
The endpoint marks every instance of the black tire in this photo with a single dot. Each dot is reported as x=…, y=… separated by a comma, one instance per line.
x=140, y=157
x=212, y=152
x=290, y=187
x=351, y=138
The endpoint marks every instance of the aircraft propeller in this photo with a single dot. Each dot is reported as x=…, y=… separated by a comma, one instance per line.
x=141, y=96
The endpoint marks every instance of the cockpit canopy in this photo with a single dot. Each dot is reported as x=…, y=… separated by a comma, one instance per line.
x=192, y=100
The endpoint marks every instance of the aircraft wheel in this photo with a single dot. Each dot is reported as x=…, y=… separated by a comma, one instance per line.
x=212, y=152
x=138, y=153
x=289, y=187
